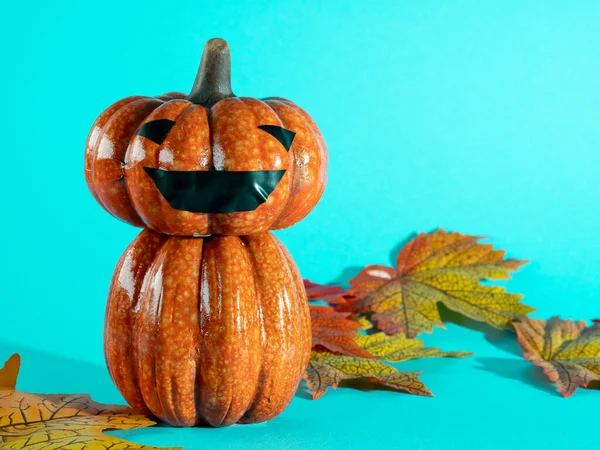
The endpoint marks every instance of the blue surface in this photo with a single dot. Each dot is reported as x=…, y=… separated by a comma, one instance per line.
x=476, y=116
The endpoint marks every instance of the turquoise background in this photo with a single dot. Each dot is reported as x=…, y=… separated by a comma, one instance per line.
x=476, y=116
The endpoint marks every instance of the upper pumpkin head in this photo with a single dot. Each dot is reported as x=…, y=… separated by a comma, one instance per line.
x=209, y=162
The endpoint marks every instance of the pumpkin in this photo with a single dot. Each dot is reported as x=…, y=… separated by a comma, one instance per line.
x=209, y=162
x=209, y=330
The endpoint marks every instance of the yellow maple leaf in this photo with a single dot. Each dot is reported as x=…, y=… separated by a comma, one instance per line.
x=567, y=351
x=399, y=348
x=48, y=422
x=326, y=370
x=434, y=268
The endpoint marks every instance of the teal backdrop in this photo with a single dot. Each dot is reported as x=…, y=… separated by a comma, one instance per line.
x=475, y=116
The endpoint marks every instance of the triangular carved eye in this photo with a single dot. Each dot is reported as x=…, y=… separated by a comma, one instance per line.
x=156, y=130
x=281, y=134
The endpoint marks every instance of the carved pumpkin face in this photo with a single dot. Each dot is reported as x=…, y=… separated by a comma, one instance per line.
x=207, y=163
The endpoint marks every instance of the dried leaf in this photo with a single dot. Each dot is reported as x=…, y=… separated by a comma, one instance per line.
x=436, y=268
x=335, y=332
x=37, y=421
x=365, y=324
x=315, y=291
x=400, y=348
x=339, y=334
x=326, y=370
x=326, y=293
x=568, y=351
x=350, y=354
x=9, y=373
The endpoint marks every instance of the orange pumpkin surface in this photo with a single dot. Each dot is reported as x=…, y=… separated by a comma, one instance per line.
x=207, y=330
x=139, y=139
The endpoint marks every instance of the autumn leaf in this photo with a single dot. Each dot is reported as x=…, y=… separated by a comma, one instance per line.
x=315, y=291
x=567, y=351
x=39, y=421
x=326, y=293
x=326, y=370
x=400, y=348
x=9, y=373
x=434, y=268
x=350, y=354
x=335, y=332
x=365, y=324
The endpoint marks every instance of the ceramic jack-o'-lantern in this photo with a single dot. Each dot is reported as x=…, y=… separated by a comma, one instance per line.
x=207, y=320
x=209, y=162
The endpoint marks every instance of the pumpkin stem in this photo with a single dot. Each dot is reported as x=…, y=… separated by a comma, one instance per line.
x=213, y=82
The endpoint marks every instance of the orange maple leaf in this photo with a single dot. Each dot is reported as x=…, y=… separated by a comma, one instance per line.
x=39, y=421
x=567, y=351
x=316, y=291
x=326, y=293
x=335, y=332
x=434, y=268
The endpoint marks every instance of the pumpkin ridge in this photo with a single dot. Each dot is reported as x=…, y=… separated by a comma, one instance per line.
x=291, y=169
x=157, y=163
x=186, y=215
x=178, y=331
x=250, y=110
x=305, y=193
x=315, y=132
x=147, y=320
x=121, y=311
x=227, y=411
x=123, y=162
x=312, y=125
x=229, y=334
x=137, y=181
x=281, y=343
x=261, y=323
x=110, y=125
x=302, y=304
x=211, y=142
x=137, y=305
x=91, y=148
x=259, y=363
x=197, y=349
x=292, y=274
x=290, y=174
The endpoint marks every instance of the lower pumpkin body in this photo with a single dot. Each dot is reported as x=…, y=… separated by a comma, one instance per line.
x=207, y=330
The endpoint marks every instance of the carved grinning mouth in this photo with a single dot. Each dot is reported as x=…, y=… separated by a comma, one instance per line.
x=214, y=191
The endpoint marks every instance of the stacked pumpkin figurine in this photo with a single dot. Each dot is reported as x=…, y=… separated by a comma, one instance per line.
x=207, y=320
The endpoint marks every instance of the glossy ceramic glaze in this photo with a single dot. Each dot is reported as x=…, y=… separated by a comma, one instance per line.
x=207, y=330
x=223, y=136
